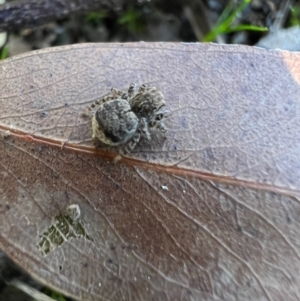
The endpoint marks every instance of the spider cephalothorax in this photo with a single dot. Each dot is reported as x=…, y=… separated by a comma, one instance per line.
x=122, y=118
x=149, y=103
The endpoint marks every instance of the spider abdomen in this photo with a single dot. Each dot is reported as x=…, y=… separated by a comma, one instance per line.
x=114, y=123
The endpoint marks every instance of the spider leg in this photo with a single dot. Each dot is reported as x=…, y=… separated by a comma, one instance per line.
x=131, y=144
x=131, y=90
x=97, y=102
x=143, y=128
x=159, y=125
x=143, y=87
x=116, y=93
x=141, y=131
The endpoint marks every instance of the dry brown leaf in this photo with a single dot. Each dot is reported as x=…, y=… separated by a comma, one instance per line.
x=209, y=213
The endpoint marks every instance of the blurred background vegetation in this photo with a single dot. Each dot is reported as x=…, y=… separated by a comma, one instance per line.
x=222, y=21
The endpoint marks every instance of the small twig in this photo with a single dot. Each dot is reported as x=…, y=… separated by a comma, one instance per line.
x=193, y=21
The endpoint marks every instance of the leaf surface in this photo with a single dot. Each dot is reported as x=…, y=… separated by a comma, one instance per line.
x=211, y=212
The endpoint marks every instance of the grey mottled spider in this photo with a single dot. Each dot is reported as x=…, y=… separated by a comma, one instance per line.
x=124, y=117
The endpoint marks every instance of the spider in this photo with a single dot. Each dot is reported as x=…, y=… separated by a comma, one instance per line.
x=124, y=117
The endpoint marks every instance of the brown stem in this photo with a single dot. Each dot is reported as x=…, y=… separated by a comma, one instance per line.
x=30, y=13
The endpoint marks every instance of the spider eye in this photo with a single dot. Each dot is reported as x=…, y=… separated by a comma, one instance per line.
x=152, y=124
x=159, y=117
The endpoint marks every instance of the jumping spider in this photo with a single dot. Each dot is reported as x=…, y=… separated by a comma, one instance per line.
x=124, y=117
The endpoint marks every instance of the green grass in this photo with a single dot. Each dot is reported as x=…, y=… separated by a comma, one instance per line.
x=295, y=16
x=225, y=21
x=133, y=20
x=4, y=53
x=96, y=18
